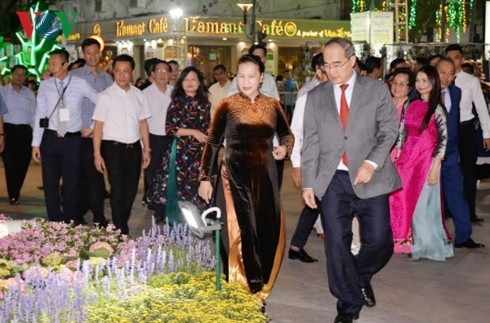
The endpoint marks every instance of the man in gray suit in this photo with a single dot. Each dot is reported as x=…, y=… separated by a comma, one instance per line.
x=350, y=126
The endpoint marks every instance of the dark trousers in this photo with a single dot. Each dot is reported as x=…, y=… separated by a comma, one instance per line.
x=16, y=156
x=280, y=172
x=159, y=145
x=468, y=156
x=92, y=184
x=452, y=189
x=346, y=272
x=61, y=159
x=123, y=163
x=306, y=222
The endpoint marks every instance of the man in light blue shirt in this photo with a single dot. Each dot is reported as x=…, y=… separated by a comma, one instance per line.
x=57, y=135
x=18, y=122
x=92, y=182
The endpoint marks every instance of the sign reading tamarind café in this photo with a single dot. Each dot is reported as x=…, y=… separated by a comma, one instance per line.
x=223, y=27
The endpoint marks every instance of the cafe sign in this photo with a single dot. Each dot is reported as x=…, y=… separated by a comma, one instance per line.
x=273, y=28
x=159, y=26
x=206, y=26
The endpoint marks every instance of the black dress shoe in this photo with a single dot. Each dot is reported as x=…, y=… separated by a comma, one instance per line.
x=14, y=201
x=101, y=223
x=343, y=318
x=476, y=220
x=367, y=292
x=301, y=255
x=470, y=244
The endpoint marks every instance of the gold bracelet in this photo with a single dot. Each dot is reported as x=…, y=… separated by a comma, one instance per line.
x=147, y=150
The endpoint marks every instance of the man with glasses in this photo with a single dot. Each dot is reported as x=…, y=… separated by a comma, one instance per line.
x=350, y=125
x=157, y=100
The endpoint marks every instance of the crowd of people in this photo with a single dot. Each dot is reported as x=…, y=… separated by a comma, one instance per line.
x=380, y=161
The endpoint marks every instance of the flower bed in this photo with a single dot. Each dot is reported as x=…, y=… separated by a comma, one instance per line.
x=53, y=272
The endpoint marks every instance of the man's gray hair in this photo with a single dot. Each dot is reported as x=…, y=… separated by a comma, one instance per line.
x=346, y=44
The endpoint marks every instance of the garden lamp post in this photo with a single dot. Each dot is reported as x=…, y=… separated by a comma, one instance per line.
x=200, y=226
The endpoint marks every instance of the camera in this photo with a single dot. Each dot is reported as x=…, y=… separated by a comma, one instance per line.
x=44, y=123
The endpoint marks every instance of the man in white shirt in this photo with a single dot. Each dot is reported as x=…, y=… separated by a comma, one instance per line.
x=471, y=96
x=157, y=98
x=308, y=216
x=57, y=136
x=120, y=123
x=220, y=89
x=18, y=122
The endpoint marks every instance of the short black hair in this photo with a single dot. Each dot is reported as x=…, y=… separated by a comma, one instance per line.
x=149, y=65
x=452, y=47
x=173, y=61
x=371, y=63
x=444, y=59
x=252, y=59
x=79, y=62
x=18, y=66
x=432, y=57
x=317, y=60
x=422, y=60
x=89, y=42
x=360, y=64
x=468, y=68
x=160, y=61
x=396, y=62
x=219, y=67
x=124, y=58
x=257, y=46
x=63, y=53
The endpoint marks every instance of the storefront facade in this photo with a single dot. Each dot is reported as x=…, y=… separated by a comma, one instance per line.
x=205, y=42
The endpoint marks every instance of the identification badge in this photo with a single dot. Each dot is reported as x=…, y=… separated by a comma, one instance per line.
x=64, y=114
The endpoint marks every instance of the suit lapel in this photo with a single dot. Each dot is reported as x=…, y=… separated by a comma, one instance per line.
x=332, y=108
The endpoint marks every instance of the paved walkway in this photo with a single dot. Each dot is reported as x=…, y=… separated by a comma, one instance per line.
x=457, y=290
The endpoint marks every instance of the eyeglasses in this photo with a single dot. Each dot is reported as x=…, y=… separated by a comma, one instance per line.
x=162, y=71
x=334, y=67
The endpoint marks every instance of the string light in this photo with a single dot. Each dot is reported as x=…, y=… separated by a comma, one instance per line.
x=413, y=14
x=438, y=22
x=355, y=6
x=463, y=14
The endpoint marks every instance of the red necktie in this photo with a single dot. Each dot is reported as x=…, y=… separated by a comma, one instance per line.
x=344, y=114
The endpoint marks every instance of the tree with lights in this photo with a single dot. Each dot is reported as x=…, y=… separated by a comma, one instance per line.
x=38, y=38
x=441, y=16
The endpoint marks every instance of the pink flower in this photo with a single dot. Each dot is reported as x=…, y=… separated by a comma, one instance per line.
x=101, y=249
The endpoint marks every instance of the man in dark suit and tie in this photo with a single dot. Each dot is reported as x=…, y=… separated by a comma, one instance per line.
x=350, y=125
x=451, y=175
